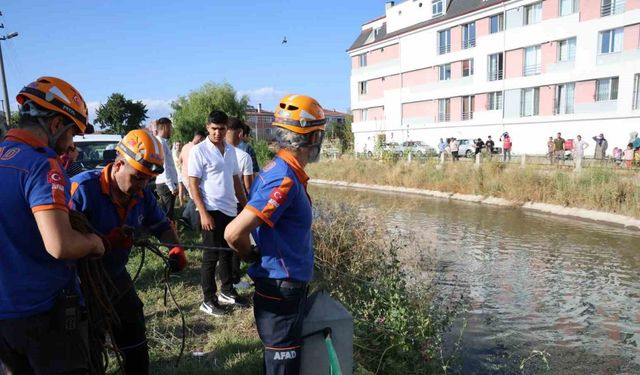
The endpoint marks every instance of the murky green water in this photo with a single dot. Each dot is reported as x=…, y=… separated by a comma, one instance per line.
x=534, y=282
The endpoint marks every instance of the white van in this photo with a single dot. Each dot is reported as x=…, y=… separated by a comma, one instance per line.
x=92, y=149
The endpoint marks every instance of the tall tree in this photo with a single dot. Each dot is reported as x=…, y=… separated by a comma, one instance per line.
x=191, y=111
x=120, y=115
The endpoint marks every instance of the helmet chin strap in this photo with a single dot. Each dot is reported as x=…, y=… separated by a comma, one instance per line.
x=53, y=137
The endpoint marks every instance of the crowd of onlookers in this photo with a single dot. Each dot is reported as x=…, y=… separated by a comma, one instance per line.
x=451, y=148
x=560, y=149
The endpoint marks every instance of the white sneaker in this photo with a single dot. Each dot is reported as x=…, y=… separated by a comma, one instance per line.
x=212, y=308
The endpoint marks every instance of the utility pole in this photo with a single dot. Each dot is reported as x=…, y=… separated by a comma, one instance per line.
x=5, y=103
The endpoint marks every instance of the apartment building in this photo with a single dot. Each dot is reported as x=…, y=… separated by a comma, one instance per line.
x=433, y=69
x=260, y=122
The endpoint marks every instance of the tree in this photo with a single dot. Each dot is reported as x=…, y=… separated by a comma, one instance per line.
x=120, y=115
x=191, y=111
x=341, y=132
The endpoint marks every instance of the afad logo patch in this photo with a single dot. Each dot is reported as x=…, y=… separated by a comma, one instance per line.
x=277, y=197
x=281, y=356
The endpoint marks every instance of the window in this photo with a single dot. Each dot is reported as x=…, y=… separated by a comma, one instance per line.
x=444, y=72
x=496, y=66
x=609, y=7
x=495, y=101
x=636, y=92
x=532, y=14
x=469, y=35
x=362, y=87
x=496, y=23
x=532, y=61
x=565, y=97
x=467, y=68
x=611, y=40
x=444, y=110
x=362, y=60
x=437, y=8
x=567, y=50
x=267, y=131
x=467, y=107
x=530, y=102
x=568, y=7
x=365, y=114
x=444, y=41
x=607, y=89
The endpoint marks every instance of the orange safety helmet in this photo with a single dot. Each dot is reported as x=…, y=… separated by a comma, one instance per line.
x=59, y=96
x=142, y=151
x=299, y=113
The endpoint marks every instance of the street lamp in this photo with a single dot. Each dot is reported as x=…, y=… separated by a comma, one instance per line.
x=5, y=105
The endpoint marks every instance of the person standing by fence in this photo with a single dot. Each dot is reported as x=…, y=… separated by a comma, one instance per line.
x=506, y=146
x=558, y=148
x=601, y=147
x=578, y=151
x=628, y=156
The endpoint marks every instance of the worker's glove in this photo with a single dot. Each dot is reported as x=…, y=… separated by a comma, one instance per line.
x=120, y=238
x=177, y=259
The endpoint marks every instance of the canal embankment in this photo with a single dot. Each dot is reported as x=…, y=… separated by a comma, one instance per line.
x=601, y=195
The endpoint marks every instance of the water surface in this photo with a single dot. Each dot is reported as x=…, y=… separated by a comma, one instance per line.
x=533, y=282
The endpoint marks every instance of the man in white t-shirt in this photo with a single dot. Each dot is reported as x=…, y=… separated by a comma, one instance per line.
x=234, y=133
x=235, y=128
x=216, y=189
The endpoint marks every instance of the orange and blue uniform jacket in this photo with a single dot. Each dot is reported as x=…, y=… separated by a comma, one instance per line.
x=279, y=198
x=31, y=180
x=90, y=195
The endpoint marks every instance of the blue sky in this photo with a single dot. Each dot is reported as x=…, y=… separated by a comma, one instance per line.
x=157, y=50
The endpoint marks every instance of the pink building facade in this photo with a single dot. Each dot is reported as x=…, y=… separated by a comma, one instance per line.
x=562, y=66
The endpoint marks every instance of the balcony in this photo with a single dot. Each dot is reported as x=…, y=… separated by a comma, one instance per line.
x=467, y=115
x=444, y=117
x=613, y=7
x=469, y=43
x=445, y=48
x=496, y=75
x=531, y=70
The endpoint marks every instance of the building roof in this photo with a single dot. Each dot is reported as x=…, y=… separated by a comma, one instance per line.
x=255, y=112
x=456, y=8
x=333, y=113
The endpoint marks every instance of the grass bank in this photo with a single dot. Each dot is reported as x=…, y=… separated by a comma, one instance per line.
x=397, y=327
x=597, y=188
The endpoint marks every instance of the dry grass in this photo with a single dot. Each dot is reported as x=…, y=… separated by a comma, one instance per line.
x=598, y=188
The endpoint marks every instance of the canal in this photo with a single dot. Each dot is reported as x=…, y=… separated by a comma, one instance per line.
x=533, y=282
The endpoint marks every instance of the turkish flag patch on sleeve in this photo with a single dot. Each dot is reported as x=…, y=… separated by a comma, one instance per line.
x=55, y=177
x=278, y=196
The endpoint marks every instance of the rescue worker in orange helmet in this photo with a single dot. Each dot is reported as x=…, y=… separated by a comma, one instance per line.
x=39, y=246
x=120, y=204
x=278, y=215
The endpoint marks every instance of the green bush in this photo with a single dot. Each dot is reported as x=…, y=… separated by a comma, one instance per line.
x=397, y=327
x=263, y=152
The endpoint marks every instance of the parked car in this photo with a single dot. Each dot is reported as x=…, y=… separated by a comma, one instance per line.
x=96, y=150
x=393, y=147
x=418, y=148
x=468, y=148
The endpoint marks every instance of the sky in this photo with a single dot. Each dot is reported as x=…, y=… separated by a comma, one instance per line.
x=155, y=51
